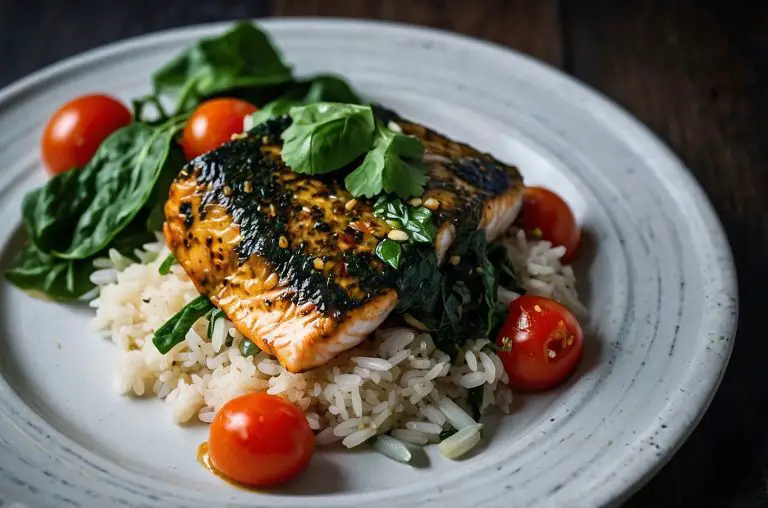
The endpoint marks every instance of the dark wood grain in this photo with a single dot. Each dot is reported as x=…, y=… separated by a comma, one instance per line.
x=696, y=72
x=695, y=76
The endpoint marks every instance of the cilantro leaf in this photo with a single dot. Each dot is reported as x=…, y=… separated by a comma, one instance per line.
x=326, y=136
x=385, y=168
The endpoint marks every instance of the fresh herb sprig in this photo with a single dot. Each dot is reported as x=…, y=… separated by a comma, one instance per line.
x=414, y=220
x=326, y=136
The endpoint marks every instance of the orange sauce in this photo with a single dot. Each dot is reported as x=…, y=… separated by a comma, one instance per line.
x=204, y=458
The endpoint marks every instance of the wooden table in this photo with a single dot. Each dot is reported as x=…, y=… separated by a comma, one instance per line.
x=695, y=72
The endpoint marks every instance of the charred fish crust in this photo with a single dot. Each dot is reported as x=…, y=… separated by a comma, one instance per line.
x=268, y=202
x=485, y=174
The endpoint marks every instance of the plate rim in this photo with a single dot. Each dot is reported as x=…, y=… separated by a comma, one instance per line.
x=602, y=108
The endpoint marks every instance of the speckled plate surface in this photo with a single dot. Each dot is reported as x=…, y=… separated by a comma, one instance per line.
x=656, y=273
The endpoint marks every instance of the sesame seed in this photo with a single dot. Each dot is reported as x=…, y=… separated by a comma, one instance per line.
x=551, y=353
x=537, y=308
x=271, y=281
x=394, y=127
x=415, y=202
x=227, y=190
x=398, y=235
x=238, y=135
x=283, y=242
x=265, y=139
x=248, y=186
x=352, y=203
x=454, y=260
x=432, y=204
x=318, y=264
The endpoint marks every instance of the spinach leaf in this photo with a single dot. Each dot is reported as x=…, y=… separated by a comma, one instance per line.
x=76, y=214
x=417, y=221
x=216, y=314
x=166, y=265
x=392, y=165
x=241, y=57
x=248, y=348
x=390, y=252
x=330, y=88
x=475, y=401
x=277, y=107
x=43, y=275
x=326, y=136
x=175, y=329
x=46, y=276
x=459, y=301
x=322, y=88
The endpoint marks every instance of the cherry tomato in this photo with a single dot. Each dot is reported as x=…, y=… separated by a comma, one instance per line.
x=76, y=130
x=260, y=440
x=546, y=216
x=212, y=124
x=545, y=342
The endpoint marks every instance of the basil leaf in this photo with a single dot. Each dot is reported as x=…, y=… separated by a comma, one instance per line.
x=326, y=136
x=385, y=168
x=248, y=348
x=77, y=213
x=43, y=275
x=241, y=57
x=166, y=265
x=390, y=252
x=216, y=314
x=417, y=221
x=175, y=329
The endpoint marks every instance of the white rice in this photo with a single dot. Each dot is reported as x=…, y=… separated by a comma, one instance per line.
x=396, y=383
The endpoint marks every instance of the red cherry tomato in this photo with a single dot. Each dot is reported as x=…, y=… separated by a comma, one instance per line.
x=545, y=342
x=76, y=130
x=212, y=124
x=546, y=216
x=260, y=440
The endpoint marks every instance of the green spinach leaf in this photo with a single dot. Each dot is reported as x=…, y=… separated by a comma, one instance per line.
x=241, y=57
x=77, y=213
x=48, y=277
x=326, y=136
x=322, y=88
x=216, y=314
x=417, y=221
x=330, y=88
x=390, y=252
x=166, y=265
x=175, y=329
x=248, y=348
x=392, y=165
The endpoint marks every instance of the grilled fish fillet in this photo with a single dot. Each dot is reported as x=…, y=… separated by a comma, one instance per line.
x=291, y=261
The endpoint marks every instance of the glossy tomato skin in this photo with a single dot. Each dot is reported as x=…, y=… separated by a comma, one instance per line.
x=545, y=342
x=546, y=216
x=260, y=440
x=212, y=124
x=75, y=131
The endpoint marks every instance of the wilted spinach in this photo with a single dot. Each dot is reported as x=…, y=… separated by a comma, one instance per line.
x=175, y=329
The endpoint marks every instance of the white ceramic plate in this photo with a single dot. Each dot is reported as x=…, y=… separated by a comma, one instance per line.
x=655, y=269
